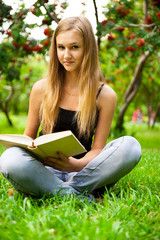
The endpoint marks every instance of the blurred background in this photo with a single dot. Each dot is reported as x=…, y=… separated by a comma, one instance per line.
x=128, y=37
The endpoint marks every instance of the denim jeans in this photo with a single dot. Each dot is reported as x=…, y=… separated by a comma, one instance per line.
x=30, y=176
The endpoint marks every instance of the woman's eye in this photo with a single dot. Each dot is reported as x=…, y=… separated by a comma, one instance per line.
x=75, y=47
x=61, y=47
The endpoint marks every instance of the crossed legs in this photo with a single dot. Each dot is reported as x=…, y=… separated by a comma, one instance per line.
x=29, y=176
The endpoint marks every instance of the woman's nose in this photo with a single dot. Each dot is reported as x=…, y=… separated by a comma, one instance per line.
x=67, y=53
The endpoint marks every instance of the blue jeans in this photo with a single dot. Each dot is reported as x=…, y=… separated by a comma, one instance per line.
x=30, y=176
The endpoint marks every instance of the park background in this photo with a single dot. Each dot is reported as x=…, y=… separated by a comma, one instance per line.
x=128, y=37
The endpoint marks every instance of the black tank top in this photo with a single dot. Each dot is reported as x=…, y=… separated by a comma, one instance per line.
x=65, y=121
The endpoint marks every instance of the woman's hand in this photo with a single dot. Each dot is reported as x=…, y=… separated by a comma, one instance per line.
x=63, y=163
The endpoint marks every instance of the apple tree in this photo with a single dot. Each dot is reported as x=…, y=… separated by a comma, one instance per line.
x=130, y=35
x=18, y=43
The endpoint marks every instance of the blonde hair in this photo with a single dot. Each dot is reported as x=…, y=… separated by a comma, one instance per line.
x=89, y=77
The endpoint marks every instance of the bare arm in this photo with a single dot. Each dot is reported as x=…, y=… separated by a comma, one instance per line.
x=36, y=98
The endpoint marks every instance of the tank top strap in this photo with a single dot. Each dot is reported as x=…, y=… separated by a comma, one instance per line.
x=99, y=90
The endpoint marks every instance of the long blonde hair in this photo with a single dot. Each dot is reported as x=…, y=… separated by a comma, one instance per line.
x=89, y=77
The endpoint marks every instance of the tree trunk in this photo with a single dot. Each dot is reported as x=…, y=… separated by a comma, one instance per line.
x=145, y=9
x=8, y=118
x=156, y=114
x=97, y=21
x=5, y=111
x=132, y=89
x=4, y=104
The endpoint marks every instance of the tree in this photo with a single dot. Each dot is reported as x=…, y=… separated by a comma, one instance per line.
x=132, y=28
x=18, y=44
x=151, y=88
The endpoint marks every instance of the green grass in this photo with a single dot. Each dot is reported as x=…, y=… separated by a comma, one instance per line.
x=129, y=211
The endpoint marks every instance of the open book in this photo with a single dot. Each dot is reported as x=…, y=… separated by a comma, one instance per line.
x=46, y=145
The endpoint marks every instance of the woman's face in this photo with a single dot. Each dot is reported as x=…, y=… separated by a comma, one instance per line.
x=70, y=50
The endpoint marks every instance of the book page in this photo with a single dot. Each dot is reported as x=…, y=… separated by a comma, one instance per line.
x=15, y=139
x=51, y=137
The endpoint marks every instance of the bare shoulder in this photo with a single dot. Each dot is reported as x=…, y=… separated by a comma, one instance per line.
x=107, y=91
x=38, y=90
x=106, y=96
x=39, y=86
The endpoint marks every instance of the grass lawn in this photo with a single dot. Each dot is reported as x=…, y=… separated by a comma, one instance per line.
x=129, y=211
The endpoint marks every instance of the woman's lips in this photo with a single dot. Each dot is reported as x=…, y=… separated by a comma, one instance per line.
x=68, y=63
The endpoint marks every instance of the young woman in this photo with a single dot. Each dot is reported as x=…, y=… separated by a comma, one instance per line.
x=73, y=97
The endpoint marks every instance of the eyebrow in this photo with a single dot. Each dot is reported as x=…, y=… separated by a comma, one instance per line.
x=74, y=43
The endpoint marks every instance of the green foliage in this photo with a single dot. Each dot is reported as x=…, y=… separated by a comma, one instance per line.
x=35, y=68
x=122, y=43
x=4, y=11
x=127, y=33
x=17, y=44
x=124, y=31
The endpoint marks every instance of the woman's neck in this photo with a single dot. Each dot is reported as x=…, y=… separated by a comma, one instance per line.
x=71, y=80
x=70, y=86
